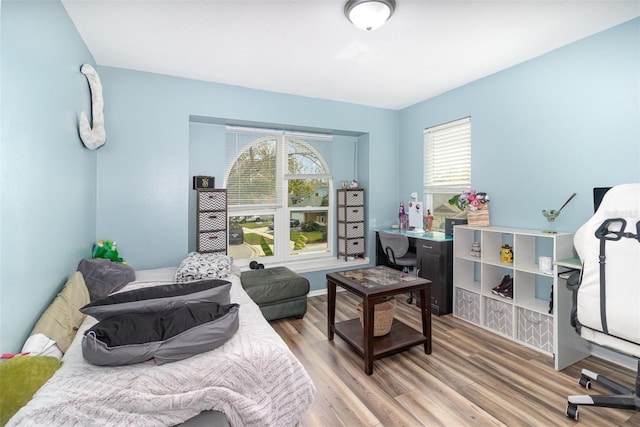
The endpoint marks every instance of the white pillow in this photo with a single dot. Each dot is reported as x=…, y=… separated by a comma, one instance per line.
x=42, y=345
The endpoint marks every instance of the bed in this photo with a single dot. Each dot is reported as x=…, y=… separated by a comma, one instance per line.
x=253, y=379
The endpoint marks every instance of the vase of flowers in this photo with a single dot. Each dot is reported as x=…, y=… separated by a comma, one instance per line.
x=476, y=204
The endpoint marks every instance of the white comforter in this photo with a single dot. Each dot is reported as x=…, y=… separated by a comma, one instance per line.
x=253, y=378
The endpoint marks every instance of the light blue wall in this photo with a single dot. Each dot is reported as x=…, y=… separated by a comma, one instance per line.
x=144, y=174
x=48, y=180
x=205, y=157
x=561, y=123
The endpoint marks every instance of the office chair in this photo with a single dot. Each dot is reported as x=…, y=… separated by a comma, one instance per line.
x=396, y=248
x=606, y=294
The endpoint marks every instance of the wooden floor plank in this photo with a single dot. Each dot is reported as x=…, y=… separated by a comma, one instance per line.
x=472, y=378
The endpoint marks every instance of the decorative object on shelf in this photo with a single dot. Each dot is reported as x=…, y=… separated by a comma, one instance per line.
x=551, y=215
x=475, y=250
x=479, y=218
x=204, y=182
x=93, y=137
x=506, y=253
x=353, y=185
x=476, y=204
x=505, y=288
x=344, y=183
x=544, y=264
x=383, y=313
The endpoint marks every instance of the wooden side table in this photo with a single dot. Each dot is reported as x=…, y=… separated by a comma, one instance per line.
x=373, y=285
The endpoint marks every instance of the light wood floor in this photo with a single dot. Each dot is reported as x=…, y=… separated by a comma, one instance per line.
x=473, y=377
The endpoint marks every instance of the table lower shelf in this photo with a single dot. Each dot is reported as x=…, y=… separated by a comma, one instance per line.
x=399, y=339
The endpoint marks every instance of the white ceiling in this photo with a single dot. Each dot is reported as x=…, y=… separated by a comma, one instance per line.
x=309, y=48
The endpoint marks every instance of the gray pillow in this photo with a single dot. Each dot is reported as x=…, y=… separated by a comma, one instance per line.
x=103, y=276
x=159, y=298
x=165, y=336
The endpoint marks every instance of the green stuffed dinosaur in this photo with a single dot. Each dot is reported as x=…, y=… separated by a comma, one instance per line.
x=107, y=249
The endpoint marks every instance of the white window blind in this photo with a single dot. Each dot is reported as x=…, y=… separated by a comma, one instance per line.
x=259, y=158
x=255, y=168
x=447, y=157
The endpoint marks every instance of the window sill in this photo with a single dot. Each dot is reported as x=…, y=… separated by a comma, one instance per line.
x=314, y=264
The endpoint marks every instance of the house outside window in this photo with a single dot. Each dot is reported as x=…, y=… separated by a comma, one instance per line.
x=447, y=168
x=279, y=192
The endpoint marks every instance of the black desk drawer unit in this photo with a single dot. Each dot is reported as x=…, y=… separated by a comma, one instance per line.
x=435, y=262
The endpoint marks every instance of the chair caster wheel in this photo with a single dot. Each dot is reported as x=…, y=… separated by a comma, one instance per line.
x=572, y=412
x=585, y=382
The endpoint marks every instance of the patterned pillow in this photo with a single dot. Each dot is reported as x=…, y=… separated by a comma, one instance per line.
x=197, y=266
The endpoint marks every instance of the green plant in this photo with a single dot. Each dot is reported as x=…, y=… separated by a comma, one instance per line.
x=310, y=226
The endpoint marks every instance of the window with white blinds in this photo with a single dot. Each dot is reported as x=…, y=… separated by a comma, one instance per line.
x=447, y=157
x=279, y=190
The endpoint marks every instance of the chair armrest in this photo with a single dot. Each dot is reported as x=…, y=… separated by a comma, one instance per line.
x=575, y=279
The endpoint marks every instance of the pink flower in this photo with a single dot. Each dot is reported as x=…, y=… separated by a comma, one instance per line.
x=471, y=200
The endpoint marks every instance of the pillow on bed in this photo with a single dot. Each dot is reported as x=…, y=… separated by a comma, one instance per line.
x=62, y=318
x=197, y=266
x=21, y=377
x=104, y=276
x=159, y=298
x=165, y=336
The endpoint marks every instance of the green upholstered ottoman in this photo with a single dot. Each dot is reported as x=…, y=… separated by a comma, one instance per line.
x=278, y=291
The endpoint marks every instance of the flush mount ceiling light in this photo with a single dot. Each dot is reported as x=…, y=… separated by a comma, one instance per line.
x=369, y=14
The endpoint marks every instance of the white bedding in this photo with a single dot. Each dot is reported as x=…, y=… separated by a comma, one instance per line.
x=254, y=379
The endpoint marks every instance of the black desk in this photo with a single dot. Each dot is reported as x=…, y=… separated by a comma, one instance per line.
x=434, y=252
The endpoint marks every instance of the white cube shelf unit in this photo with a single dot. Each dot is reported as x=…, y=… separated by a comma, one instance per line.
x=533, y=316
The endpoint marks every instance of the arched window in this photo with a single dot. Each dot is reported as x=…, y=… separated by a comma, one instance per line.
x=279, y=194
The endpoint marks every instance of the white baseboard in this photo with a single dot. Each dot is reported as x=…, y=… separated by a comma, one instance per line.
x=615, y=357
x=323, y=292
